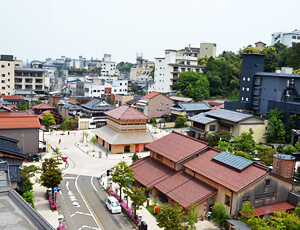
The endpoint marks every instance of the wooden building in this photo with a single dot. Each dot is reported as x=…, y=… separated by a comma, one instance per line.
x=125, y=131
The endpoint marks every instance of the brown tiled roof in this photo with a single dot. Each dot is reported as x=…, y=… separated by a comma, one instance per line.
x=269, y=209
x=125, y=112
x=185, y=189
x=224, y=174
x=151, y=95
x=43, y=106
x=149, y=171
x=18, y=113
x=19, y=122
x=11, y=97
x=176, y=146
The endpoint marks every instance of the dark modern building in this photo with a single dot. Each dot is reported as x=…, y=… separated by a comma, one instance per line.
x=261, y=92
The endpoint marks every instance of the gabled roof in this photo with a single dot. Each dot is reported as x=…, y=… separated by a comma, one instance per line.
x=185, y=189
x=19, y=122
x=125, y=112
x=224, y=174
x=176, y=146
x=184, y=99
x=149, y=171
x=43, y=106
x=201, y=118
x=10, y=146
x=151, y=95
x=11, y=97
x=97, y=104
x=192, y=106
x=228, y=115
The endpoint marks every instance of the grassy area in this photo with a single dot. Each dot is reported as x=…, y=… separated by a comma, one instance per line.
x=150, y=208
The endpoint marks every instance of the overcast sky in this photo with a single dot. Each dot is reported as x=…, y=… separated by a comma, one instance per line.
x=36, y=29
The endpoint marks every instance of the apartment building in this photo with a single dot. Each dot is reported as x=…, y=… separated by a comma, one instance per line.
x=7, y=73
x=286, y=38
x=143, y=67
x=167, y=69
x=30, y=78
x=119, y=87
x=108, y=67
x=261, y=92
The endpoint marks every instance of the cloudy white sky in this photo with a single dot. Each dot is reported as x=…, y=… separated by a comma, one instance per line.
x=37, y=29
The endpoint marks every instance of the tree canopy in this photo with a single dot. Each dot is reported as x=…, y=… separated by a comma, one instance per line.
x=193, y=85
x=219, y=215
x=275, y=132
x=51, y=175
x=48, y=120
x=245, y=142
x=170, y=218
x=124, y=67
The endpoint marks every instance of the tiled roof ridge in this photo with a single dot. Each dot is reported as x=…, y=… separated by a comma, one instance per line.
x=124, y=112
x=31, y=116
x=192, y=138
x=154, y=92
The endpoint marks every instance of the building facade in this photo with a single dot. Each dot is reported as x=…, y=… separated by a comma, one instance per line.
x=286, y=38
x=125, y=131
x=261, y=92
x=7, y=73
x=167, y=69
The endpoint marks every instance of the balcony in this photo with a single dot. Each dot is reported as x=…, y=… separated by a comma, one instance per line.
x=256, y=101
x=256, y=91
x=257, y=81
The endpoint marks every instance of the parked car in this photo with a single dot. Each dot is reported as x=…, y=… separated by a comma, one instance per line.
x=113, y=204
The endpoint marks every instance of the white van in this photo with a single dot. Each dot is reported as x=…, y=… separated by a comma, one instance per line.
x=113, y=205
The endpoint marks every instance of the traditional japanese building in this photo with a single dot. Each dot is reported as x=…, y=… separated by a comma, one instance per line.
x=125, y=131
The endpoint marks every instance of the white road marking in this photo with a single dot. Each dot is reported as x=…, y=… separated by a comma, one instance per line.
x=84, y=226
x=69, y=178
x=93, y=183
x=86, y=205
x=82, y=213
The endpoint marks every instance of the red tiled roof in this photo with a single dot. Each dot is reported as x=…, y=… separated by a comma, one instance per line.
x=149, y=171
x=19, y=122
x=125, y=112
x=223, y=174
x=18, y=113
x=12, y=106
x=43, y=106
x=185, y=189
x=11, y=97
x=176, y=146
x=151, y=95
x=269, y=209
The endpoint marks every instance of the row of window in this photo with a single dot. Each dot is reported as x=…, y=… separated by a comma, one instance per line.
x=3, y=75
x=3, y=66
x=246, y=78
x=105, y=64
x=245, y=88
x=295, y=37
x=245, y=98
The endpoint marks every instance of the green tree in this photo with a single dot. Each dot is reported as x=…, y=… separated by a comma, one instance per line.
x=275, y=132
x=135, y=157
x=169, y=119
x=222, y=135
x=292, y=124
x=249, y=217
x=203, y=61
x=23, y=105
x=28, y=196
x=134, y=88
x=192, y=216
x=170, y=218
x=194, y=85
x=293, y=56
x=86, y=134
x=224, y=146
x=219, y=214
x=270, y=53
x=137, y=196
x=51, y=175
x=250, y=49
x=57, y=154
x=69, y=124
x=94, y=140
x=285, y=220
x=48, y=120
x=26, y=174
x=245, y=142
x=297, y=172
x=297, y=209
x=180, y=121
x=119, y=174
x=210, y=140
x=124, y=67
x=216, y=84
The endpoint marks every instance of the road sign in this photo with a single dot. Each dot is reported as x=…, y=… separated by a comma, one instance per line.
x=55, y=189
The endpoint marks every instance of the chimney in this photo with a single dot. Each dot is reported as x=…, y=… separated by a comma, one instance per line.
x=284, y=165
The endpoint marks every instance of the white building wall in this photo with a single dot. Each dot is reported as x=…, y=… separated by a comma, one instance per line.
x=117, y=87
x=286, y=38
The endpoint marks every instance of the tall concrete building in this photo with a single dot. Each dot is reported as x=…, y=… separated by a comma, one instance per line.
x=108, y=67
x=7, y=73
x=208, y=49
x=286, y=38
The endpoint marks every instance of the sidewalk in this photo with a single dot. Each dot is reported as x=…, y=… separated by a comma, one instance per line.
x=39, y=196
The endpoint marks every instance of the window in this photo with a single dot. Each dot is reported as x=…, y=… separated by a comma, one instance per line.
x=120, y=83
x=246, y=99
x=244, y=79
x=8, y=64
x=267, y=182
x=2, y=66
x=158, y=156
x=3, y=87
x=8, y=86
x=159, y=60
x=3, y=81
x=293, y=37
x=227, y=200
x=8, y=73
x=161, y=104
x=212, y=128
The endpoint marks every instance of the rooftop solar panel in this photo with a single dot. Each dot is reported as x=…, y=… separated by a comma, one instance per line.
x=229, y=159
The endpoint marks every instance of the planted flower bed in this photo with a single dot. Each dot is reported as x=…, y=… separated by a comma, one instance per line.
x=126, y=210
